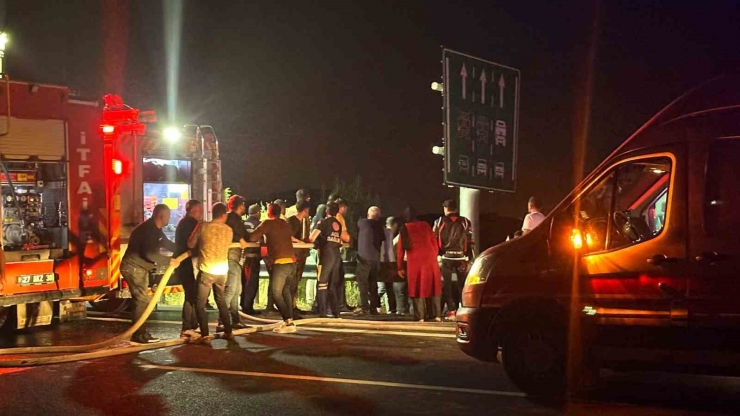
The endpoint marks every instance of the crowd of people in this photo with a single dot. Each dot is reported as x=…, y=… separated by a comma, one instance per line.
x=403, y=260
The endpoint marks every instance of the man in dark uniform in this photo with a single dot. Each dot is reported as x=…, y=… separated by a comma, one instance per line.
x=185, y=271
x=299, y=224
x=329, y=236
x=251, y=275
x=143, y=256
x=237, y=208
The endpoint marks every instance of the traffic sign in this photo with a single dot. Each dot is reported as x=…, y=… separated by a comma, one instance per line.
x=481, y=122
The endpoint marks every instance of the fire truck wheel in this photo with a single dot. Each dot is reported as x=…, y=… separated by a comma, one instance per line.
x=112, y=306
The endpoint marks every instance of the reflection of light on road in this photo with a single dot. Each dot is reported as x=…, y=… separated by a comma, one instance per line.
x=172, y=40
x=334, y=380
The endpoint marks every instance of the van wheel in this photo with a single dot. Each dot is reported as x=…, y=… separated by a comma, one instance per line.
x=534, y=352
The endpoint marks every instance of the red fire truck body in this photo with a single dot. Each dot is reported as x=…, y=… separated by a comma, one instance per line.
x=77, y=176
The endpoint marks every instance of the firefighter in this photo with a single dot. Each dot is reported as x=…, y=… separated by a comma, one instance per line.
x=329, y=236
x=454, y=234
x=143, y=257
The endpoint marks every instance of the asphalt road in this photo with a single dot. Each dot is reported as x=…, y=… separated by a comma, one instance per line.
x=327, y=372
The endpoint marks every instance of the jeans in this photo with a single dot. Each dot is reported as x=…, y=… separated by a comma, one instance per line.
x=280, y=287
x=137, y=280
x=205, y=283
x=250, y=283
x=328, y=289
x=420, y=307
x=450, y=291
x=367, y=281
x=187, y=278
x=397, y=293
x=300, y=264
x=234, y=285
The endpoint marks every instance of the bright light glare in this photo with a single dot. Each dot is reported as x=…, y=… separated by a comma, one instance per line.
x=172, y=134
x=576, y=239
x=108, y=129
x=3, y=40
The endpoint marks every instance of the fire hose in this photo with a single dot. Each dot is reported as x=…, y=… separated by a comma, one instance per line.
x=109, y=347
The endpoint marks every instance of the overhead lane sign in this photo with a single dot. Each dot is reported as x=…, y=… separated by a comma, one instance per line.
x=481, y=122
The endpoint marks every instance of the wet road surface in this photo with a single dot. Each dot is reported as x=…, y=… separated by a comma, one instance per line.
x=327, y=372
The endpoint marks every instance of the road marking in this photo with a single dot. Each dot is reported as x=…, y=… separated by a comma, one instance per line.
x=311, y=328
x=335, y=380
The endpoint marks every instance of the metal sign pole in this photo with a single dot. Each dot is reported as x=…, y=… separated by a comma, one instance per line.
x=470, y=209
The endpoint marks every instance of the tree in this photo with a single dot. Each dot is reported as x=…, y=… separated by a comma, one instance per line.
x=359, y=198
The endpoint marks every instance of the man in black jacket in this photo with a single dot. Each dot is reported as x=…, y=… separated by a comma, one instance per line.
x=455, y=240
x=143, y=256
x=185, y=271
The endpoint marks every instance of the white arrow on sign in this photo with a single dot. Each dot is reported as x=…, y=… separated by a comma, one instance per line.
x=483, y=80
x=501, y=86
x=464, y=75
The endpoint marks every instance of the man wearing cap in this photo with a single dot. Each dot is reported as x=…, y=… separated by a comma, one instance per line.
x=237, y=207
x=252, y=258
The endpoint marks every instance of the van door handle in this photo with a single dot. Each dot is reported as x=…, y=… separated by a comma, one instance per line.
x=661, y=260
x=711, y=257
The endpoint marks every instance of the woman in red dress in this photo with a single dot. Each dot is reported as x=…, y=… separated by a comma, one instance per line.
x=417, y=243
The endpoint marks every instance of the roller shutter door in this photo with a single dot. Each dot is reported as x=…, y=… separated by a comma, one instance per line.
x=41, y=138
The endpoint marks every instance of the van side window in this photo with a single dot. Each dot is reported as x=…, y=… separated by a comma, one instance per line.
x=722, y=185
x=593, y=213
x=641, y=200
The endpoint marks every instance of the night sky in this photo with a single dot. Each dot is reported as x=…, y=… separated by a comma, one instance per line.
x=301, y=91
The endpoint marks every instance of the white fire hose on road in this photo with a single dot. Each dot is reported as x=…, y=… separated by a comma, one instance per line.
x=110, y=347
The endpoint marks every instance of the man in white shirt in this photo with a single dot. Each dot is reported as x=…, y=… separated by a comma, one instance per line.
x=534, y=218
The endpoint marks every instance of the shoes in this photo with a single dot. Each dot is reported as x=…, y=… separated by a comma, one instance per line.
x=359, y=312
x=228, y=336
x=189, y=333
x=220, y=328
x=285, y=328
x=450, y=316
x=144, y=339
x=239, y=325
x=437, y=319
x=151, y=338
x=206, y=340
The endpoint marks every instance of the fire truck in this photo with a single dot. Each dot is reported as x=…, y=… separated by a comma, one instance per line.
x=77, y=177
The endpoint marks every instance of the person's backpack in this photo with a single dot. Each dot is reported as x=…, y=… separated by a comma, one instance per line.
x=453, y=235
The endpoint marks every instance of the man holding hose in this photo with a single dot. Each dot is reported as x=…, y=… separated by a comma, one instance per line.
x=213, y=239
x=142, y=257
x=279, y=242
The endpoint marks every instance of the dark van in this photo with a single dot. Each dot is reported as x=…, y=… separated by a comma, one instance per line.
x=639, y=267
